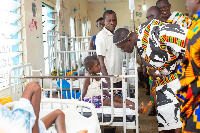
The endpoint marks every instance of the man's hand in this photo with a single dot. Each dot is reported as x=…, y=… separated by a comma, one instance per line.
x=155, y=73
x=103, y=69
x=144, y=71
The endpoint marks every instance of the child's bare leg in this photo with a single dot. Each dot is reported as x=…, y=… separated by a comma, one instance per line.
x=131, y=105
x=57, y=117
x=32, y=92
x=107, y=102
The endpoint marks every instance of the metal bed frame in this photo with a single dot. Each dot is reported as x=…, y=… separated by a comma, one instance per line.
x=59, y=49
x=68, y=49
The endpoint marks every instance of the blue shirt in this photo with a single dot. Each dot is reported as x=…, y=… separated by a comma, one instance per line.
x=94, y=38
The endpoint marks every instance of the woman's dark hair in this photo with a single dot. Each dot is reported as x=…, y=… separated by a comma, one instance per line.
x=89, y=61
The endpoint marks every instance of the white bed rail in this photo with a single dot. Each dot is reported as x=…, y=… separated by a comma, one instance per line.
x=70, y=53
x=57, y=44
x=16, y=81
x=74, y=120
x=126, y=125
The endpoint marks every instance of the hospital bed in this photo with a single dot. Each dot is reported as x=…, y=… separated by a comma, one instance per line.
x=111, y=116
x=108, y=116
x=70, y=53
x=74, y=120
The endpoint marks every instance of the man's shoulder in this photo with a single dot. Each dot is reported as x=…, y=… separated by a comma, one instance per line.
x=178, y=15
x=100, y=35
x=179, y=18
x=102, y=32
x=148, y=24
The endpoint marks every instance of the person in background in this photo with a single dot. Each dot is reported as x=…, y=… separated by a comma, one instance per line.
x=155, y=47
x=108, y=54
x=100, y=25
x=175, y=17
x=152, y=13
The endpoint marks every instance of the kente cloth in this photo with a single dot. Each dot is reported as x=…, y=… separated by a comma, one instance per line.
x=168, y=108
x=189, y=71
x=160, y=44
x=175, y=18
x=179, y=18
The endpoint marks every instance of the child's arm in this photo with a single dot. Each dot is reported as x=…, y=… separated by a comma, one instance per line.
x=86, y=83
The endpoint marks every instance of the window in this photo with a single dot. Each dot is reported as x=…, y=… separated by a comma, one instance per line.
x=10, y=44
x=72, y=27
x=83, y=29
x=48, y=22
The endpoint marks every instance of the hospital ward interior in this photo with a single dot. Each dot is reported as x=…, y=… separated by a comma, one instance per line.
x=99, y=66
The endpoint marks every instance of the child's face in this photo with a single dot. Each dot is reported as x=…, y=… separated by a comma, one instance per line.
x=96, y=68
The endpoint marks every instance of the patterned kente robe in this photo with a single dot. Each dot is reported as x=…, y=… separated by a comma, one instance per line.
x=160, y=44
x=189, y=70
x=175, y=18
x=179, y=18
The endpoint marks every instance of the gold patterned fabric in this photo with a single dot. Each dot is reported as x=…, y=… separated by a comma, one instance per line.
x=189, y=73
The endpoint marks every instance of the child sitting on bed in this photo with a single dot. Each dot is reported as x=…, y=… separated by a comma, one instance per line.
x=91, y=90
x=25, y=114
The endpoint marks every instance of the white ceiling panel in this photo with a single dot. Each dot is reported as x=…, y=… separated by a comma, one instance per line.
x=106, y=0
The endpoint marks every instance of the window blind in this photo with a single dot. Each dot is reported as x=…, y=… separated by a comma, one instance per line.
x=10, y=36
x=48, y=22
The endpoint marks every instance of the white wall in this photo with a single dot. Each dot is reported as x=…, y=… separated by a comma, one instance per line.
x=123, y=13
x=33, y=40
x=33, y=43
x=33, y=47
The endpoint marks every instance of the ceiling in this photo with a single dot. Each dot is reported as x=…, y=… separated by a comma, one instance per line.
x=106, y=0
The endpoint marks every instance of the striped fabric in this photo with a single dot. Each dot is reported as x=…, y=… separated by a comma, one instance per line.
x=166, y=80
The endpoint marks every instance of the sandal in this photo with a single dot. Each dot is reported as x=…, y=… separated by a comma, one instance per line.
x=144, y=108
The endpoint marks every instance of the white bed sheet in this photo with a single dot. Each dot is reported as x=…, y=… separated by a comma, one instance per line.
x=105, y=109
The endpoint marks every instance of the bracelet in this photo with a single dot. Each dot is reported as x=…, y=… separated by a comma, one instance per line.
x=149, y=68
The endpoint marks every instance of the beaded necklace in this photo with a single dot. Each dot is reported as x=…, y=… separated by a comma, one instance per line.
x=124, y=38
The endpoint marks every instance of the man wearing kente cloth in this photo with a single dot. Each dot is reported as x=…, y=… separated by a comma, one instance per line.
x=175, y=17
x=161, y=45
x=189, y=71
